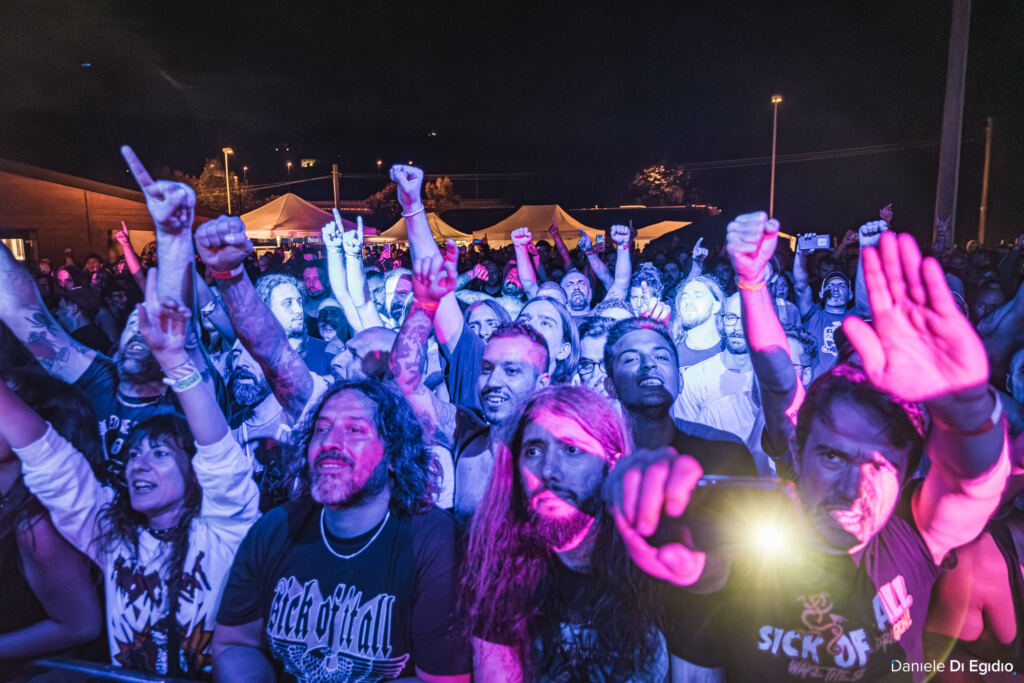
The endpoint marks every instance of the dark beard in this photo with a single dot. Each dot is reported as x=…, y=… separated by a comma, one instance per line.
x=555, y=532
x=248, y=394
x=509, y=289
x=145, y=370
x=578, y=301
x=375, y=483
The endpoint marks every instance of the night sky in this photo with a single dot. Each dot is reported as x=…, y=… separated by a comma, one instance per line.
x=578, y=98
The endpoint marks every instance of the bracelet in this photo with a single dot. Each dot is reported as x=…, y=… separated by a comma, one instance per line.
x=227, y=274
x=413, y=213
x=752, y=286
x=995, y=418
x=182, y=377
x=623, y=246
x=427, y=307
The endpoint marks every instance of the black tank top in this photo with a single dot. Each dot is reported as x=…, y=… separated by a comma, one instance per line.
x=1003, y=538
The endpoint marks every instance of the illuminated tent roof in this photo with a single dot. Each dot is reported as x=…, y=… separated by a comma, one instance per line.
x=441, y=231
x=655, y=230
x=537, y=217
x=288, y=216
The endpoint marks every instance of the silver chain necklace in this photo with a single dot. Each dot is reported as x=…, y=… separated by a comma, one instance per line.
x=332, y=551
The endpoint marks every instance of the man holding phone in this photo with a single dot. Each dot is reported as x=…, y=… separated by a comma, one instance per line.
x=847, y=600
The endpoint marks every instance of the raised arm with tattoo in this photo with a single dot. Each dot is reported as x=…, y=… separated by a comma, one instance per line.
x=223, y=247
x=448, y=320
x=433, y=279
x=23, y=311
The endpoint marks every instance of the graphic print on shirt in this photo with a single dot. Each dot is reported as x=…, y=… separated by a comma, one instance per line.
x=828, y=335
x=140, y=630
x=336, y=637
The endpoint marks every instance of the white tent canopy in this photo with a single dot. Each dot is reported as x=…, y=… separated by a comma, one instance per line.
x=538, y=218
x=288, y=216
x=438, y=228
x=649, y=232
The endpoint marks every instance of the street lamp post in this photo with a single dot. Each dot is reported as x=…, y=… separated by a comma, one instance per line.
x=776, y=100
x=288, y=165
x=227, y=176
x=245, y=174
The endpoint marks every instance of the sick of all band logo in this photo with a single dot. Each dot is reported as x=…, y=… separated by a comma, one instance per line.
x=336, y=637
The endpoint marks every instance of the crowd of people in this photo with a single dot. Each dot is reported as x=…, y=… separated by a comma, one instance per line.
x=430, y=462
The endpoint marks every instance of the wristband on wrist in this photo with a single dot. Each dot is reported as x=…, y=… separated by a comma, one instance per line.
x=622, y=246
x=182, y=377
x=427, y=307
x=413, y=213
x=752, y=286
x=994, y=419
x=227, y=274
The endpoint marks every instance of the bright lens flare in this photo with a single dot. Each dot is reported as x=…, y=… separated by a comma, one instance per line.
x=769, y=539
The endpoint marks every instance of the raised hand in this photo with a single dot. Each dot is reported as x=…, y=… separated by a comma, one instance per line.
x=919, y=345
x=164, y=325
x=172, y=205
x=122, y=235
x=331, y=232
x=620, y=234
x=870, y=232
x=222, y=244
x=553, y=229
x=585, y=243
x=522, y=237
x=885, y=213
x=434, y=276
x=409, y=180
x=352, y=240
x=699, y=252
x=850, y=237
x=480, y=272
x=750, y=241
x=653, y=308
x=640, y=488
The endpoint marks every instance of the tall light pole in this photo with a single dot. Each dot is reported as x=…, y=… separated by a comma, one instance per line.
x=227, y=176
x=245, y=174
x=776, y=100
x=288, y=165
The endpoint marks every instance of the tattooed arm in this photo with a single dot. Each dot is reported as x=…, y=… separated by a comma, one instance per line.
x=408, y=360
x=223, y=246
x=22, y=309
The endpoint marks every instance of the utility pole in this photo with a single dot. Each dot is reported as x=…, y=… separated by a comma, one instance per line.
x=983, y=209
x=334, y=181
x=776, y=100
x=943, y=235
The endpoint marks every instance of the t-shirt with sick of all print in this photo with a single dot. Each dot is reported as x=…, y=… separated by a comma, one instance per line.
x=118, y=413
x=370, y=608
x=807, y=615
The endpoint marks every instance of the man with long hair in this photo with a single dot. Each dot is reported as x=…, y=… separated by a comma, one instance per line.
x=356, y=575
x=548, y=590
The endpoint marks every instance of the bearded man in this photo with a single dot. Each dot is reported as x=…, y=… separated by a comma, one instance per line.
x=357, y=574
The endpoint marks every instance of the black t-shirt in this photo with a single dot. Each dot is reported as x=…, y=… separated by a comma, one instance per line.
x=717, y=452
x=575, y=651
x=464, y=370
x=378, y=615
x=117, y=414
x=816, y=616
x=314, y=352
x=93, y=337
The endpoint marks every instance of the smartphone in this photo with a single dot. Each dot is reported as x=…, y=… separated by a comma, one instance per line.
x=733, y=514
x=814, y=242
x=477, y=242
x=599, y=241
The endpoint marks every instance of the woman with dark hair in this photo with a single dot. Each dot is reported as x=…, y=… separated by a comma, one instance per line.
x=164, y=537
x=554, y=322
x=547, y=588
x=50, y=601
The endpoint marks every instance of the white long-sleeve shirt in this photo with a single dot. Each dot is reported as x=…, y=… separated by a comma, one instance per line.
x=136, y=589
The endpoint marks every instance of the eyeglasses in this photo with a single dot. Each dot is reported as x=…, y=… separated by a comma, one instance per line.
x=587, y=366
x=730, y=318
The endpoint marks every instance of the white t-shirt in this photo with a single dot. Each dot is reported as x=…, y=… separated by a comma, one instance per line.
x=718, y=397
